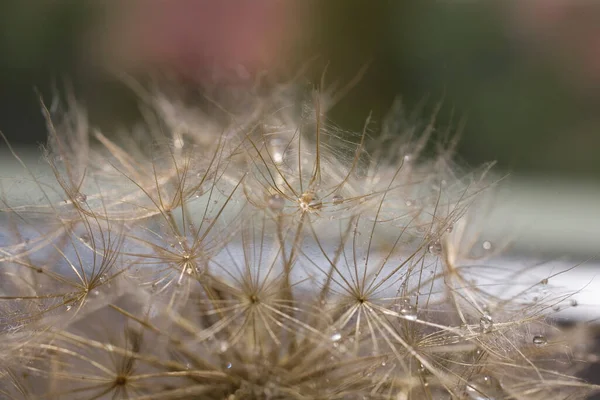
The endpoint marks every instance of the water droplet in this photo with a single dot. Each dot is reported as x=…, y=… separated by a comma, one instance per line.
x=435, y=248
x=69, y=307
x=450, y=228
x=223, y=346
x=544, y=281
x=484, y=387
x=109, y=347
x=85, y=238
x=337, y=199
x=409, y=203
x=277, y=150
x=315, y=204
x=408, y=311
x=574, y=303
x=80, y=197
x=277, y=157
x=540, y=340
x=486, y=323
x=178, y=141
x=487, y=245
x=228, y=365
x=556, y=308
x=276, y=202
x=336, y=337
x=199, y=193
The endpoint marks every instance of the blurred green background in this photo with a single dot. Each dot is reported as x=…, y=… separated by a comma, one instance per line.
x=522, y=74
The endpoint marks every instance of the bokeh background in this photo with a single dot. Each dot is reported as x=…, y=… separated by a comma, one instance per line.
x=525, y=75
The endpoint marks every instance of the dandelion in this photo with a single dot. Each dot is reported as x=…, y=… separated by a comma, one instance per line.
x=265, y=254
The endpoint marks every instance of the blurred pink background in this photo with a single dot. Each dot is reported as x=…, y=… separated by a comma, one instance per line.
x=203, y=39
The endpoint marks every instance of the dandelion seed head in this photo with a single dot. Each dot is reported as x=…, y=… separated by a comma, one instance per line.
x=261, y=251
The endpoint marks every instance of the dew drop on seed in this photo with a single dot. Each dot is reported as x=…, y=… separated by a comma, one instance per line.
x=223, y=346
x=336, y=337
x=574, y=303
x=337, y=199
x=540, y=340
x=556, y=308
x=199, y=193
x=277, y=149
x=80, y=197
x=484, y=387
x=276, y=202
x=315, y=204
x=69, y=308
x=278, y=157
x=486, y=323
x=228, y=365
x=409, y=203
x=178, y=142
x=450, y=228
x=544, y=281
x=487, y=245
x=408, y=311
x=435, y=248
